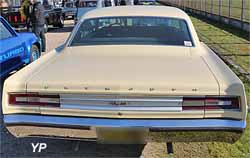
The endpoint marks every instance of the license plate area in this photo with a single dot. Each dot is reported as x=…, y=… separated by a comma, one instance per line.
x=122, y=135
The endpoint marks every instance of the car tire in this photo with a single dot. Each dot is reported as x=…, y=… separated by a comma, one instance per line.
x=61, y=22
x=34, y=53
x=46, y=27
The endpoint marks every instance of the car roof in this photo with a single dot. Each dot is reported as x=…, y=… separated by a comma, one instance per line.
x=158, y=11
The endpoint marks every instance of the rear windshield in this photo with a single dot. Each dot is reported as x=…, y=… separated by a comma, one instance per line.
x=133, y=30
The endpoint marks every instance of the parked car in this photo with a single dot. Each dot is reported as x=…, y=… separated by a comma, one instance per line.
x=69, y=10
x=17, y=49
x=106, y=3
x=13, y=16
x=83, y=6
x=127, y=74
x=53, y=16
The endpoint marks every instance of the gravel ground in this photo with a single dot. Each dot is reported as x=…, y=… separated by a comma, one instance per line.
x=13, y=147
x=56, y=36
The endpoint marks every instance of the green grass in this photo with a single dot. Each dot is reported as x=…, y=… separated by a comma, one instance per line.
x=240, y=149
x=243, y=60
x=212, y=6
x=227, y=43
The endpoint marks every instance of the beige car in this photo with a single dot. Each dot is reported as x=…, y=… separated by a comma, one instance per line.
x=128, y=74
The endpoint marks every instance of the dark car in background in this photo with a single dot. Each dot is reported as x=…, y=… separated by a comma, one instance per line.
x=53, y=16
x=13, y=16
x=69, y=10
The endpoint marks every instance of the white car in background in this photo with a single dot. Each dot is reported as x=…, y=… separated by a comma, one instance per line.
x=124, y=74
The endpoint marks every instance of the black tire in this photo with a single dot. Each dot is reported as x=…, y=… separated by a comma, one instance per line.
x=34, y=53
x=61, y=22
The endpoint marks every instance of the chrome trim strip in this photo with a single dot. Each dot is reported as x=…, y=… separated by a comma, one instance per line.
x=121, y=108
x=120, y=103
x=170, y=124
x=63, y=99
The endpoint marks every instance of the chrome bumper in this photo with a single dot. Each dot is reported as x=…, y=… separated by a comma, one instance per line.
x=124, y=130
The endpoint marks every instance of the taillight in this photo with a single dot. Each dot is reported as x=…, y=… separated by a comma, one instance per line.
x=22, y=18
x=15, y=18
x=222, y=103
x=210, y=103
x=34, y=99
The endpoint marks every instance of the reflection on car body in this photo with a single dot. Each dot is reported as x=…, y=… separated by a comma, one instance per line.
x=125, y=74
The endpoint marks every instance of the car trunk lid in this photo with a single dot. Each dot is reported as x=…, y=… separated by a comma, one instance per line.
x=129, y=69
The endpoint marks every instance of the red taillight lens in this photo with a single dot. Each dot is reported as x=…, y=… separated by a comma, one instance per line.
x=22, y=18
x=33, y=99
x=15, y=18
x=222, y=103
x=210, y=103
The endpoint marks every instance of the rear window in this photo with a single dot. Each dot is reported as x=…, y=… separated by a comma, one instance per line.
x=133, y=30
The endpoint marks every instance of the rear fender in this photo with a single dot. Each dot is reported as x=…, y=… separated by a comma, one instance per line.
x=29, y=40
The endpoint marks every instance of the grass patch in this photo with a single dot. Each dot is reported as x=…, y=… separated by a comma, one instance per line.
x=213, y=6
x=243, y=60
x=247, y=89
x=223, y=41
x=240, y=149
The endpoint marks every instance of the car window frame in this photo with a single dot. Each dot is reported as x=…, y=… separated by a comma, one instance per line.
x=9, y=28
x=74, y=32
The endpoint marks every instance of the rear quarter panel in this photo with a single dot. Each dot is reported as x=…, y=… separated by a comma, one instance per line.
x=18, y=82
x=228, y=81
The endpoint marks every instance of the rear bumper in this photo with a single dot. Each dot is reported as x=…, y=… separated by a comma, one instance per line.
x=111, y=130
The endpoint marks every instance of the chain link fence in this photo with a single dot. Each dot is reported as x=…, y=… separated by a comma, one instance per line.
x=232, y=12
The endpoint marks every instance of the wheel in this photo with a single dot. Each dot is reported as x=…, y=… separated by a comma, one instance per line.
x=46, y=26
x=34, y=53
x=61, y=22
